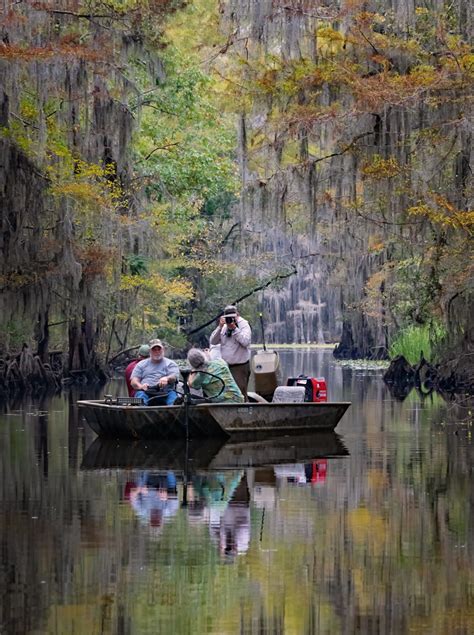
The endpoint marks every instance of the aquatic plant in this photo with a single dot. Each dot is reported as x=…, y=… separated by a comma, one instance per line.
x=415, y=341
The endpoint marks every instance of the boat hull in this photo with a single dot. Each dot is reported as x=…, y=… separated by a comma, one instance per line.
x=210, y=420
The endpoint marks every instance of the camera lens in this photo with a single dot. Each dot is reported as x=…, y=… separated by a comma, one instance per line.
x=229, y=320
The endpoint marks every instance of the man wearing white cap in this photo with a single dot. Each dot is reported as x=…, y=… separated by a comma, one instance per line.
x=234, y=335
x=156, y=372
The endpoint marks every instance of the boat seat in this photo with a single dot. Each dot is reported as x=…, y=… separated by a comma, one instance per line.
x=254, y=397
x=289, y=394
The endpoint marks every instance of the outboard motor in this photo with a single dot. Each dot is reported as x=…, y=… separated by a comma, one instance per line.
x=315, y=387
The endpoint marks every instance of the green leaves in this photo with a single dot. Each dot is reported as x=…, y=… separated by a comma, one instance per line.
x=137, y=265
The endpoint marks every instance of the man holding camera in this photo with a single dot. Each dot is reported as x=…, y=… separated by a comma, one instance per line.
x=234, y=335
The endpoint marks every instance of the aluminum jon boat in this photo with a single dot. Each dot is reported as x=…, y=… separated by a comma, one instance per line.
x=210, y=419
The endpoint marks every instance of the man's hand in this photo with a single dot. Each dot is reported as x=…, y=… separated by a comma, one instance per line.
x=163, y=381
x=139, y=386
x=221, y=320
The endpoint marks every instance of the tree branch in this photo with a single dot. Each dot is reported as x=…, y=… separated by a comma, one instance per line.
x=243, y=297
x=123, y=352
x=169, y=145
x=83, y=16
x=227, y=236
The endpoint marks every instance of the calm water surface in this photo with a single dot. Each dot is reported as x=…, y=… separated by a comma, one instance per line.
x=367, y=531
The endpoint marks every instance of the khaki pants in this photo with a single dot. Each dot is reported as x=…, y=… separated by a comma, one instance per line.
x=241, y=374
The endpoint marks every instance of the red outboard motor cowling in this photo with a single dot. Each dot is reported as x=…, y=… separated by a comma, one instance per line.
x=315, y=387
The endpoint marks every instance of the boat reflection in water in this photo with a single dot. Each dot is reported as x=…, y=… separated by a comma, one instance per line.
x=213, y=482
x=212, y=453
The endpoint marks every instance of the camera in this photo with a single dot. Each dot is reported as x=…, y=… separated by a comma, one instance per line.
x=229, y=319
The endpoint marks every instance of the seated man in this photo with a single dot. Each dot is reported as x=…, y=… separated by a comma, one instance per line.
x=156, y=372
x=220, y=388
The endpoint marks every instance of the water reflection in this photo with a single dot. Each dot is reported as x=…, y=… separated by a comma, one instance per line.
x=177, y=475
x=154, y=498
x=211, y=454
x=220, y=501
x=372, y=531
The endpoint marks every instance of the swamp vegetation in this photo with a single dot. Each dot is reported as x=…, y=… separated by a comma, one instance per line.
x=160, y=158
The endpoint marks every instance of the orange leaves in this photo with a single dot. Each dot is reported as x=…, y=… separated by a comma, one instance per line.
x=94, y=259
x=374, y=92
x=376, y=244
x=15, y=52
x=303, y=118
x=23, y=53
x=364, y=18
x=375, y=294
x=12, y=18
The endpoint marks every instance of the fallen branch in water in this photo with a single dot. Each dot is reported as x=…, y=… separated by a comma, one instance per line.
x=123, y=352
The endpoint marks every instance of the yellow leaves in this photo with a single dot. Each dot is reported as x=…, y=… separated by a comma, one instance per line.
x=129, y=282
x=176, y=289
x=156, y=296
x=380, y=168
x=28, y=110
x=439, y=210
x=90, y=185
x=424, y=75
x=81, y=192
x=420, y=209
x=466, y=61
x=163, y=290
x=329, y=41
x=16, y=131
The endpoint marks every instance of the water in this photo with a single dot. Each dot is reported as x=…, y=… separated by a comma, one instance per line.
x=375, y=535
